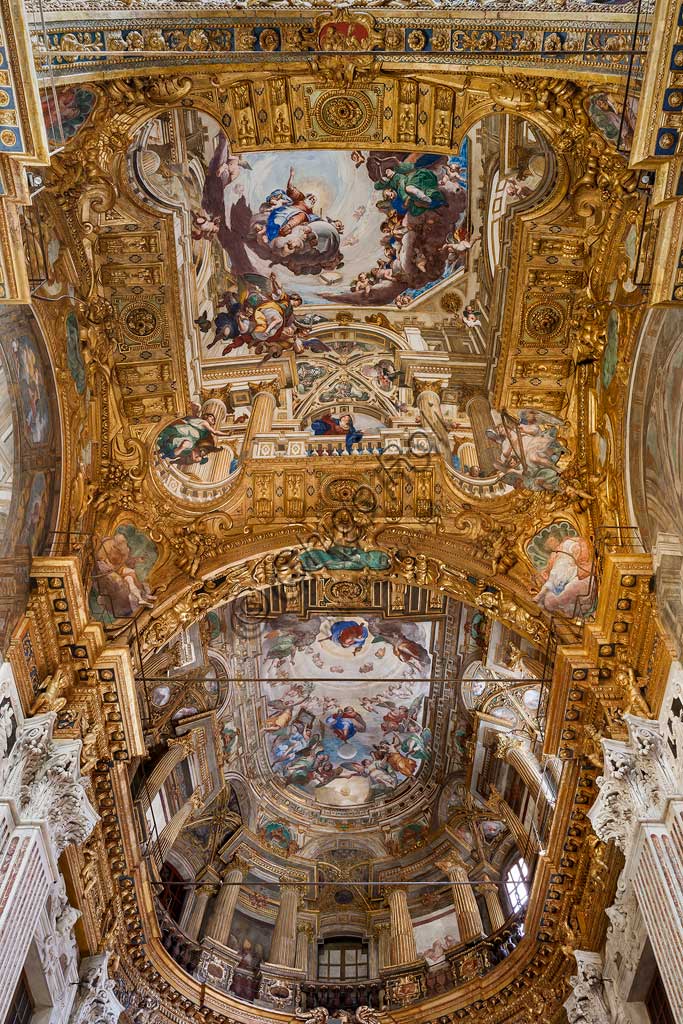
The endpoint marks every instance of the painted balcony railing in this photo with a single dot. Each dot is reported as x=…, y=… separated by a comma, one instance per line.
x=301, y=445
x=481, y=957
x=342, y=995
x=391, y=445
x=184, y=950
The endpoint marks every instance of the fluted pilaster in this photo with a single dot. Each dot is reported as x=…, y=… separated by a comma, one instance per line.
x=174, y=827
x=195, y=918
x=527, y=842
x=383, y=939
x=178, y=750
x=515, y=752
x=263, y=404
x=304, y=937
x=478, y=410
x=428, y=400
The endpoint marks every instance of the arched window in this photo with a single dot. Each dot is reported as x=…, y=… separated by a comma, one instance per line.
x=516, y=884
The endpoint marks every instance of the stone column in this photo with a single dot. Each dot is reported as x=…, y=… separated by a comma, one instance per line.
x=265, y=396
x=220, y=922
x=428, y=401
x=43, y=809
x=527, y=842
x=478, y=411
x=178, y=750
x=195, y=918
x=489, y=890
x=515, y=752
x=403, y=948
x=587, y=1001
x=173, y=828
x=464, y=900
x=96, y=999
x=283, y=946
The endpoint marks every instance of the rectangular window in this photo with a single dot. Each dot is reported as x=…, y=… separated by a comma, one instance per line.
x=341, y=962
x=657, y=1003
x=21, y=1007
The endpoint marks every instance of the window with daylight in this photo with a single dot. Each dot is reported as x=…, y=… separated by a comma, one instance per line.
x=342, y=961
x=21, y=1008
x=657, y=1002
x=516, y=885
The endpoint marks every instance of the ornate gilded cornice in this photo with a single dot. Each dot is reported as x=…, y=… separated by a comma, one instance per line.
x=568, y=43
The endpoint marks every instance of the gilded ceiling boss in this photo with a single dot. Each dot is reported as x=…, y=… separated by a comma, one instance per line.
x=341, y=448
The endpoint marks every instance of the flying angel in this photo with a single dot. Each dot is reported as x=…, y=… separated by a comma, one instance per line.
x=397, y=636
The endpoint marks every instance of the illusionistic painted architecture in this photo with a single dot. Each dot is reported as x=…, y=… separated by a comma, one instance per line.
x=340, y=513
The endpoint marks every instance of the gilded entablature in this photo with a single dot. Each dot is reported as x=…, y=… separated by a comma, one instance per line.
x=555, y=42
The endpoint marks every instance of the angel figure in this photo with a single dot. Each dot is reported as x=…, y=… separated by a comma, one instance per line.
x=190, y=440
x=403, y=717
x=529, y=449
x=264, y=317
x=289, y=637
x=348, y=634
x=363, y=1015
x=406, y=647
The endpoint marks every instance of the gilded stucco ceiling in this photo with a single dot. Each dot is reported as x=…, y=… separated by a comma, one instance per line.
x=340, y=343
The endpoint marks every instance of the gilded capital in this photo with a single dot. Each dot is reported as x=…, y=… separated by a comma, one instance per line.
x=267, y=387
x=207, y=890
x=237, y=864
x=188, y=742
x=197, y=798
x=506, y=743
x=422, y=385
x=452, y=863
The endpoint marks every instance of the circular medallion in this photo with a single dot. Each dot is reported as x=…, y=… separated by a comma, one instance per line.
x=544, y=320
x=342, y=490
x=8, y=138
x=342, y=112
x=451, y=302
x=140, y=321
x=345, y=592
x=269, y=39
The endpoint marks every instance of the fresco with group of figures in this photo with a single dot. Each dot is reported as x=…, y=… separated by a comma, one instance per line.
x=304, y=228
x=347, y=703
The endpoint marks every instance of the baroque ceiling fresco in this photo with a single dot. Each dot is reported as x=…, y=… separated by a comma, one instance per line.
x=314, y=486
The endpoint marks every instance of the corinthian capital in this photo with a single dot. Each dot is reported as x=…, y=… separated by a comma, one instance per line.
x=41, y=777
x=96, y=1000
x=506, y=743
x=587, y=1003
x=187, y=742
